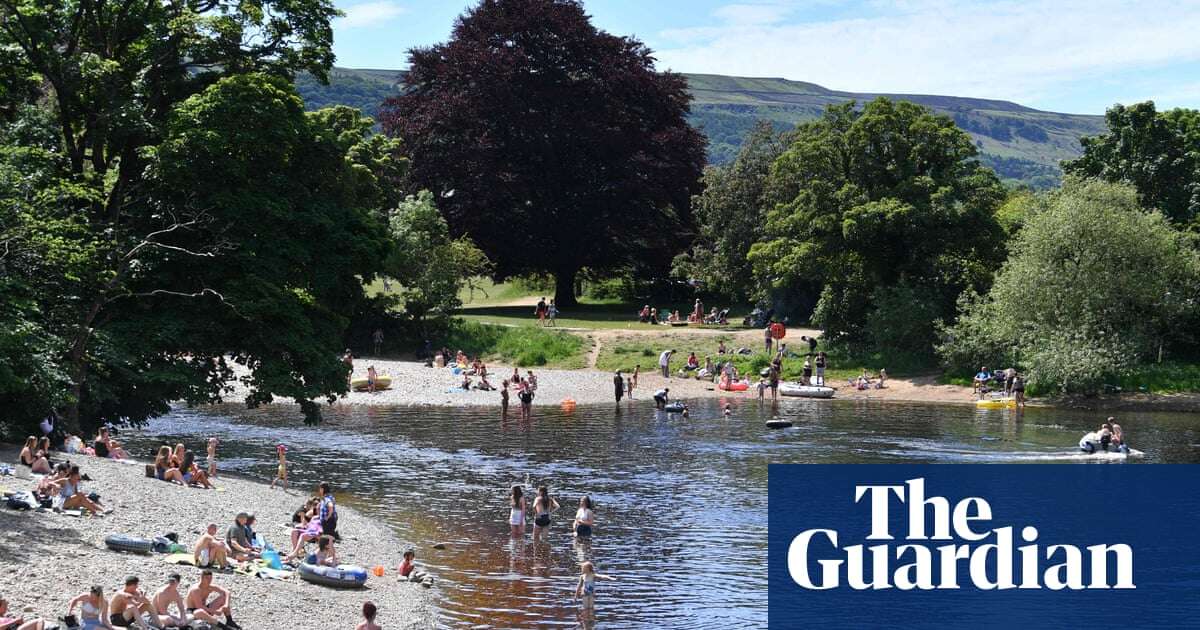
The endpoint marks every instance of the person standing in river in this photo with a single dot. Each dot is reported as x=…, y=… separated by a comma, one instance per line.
x=516, y=513
x=618, y=386
x=504, y=400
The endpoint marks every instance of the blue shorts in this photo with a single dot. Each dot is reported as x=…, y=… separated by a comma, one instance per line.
x=187, y=478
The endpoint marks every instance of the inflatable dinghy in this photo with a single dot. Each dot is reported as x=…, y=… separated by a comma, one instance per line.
x=130, y=544
x=1001, y=402
x=1090, y=443
x=805, y=391
x=382, y=382
x=675, y=407
x=778, y=424
x=342, y=576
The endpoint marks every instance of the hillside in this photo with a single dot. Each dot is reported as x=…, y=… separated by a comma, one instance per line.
x=1022, y=144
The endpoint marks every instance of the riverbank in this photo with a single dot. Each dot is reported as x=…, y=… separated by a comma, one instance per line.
x=415, y=385
x=51, y=558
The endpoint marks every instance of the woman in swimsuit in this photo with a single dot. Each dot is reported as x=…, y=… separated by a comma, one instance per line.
x=192, y=474
x=585, y=518
x=163, y=470
x=27, y=452
x=177, y=455
x=516, y=513
x=93, y=609
x=504, y=400
x=543, y=506
x=36, y=458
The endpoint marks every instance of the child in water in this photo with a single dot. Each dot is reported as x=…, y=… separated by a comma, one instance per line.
x=586, y=589
x=212, y=457
x=281, y=476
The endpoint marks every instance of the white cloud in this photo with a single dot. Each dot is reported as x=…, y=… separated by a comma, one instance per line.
x=1017, y=50
x=369, y=14
x=750, y=14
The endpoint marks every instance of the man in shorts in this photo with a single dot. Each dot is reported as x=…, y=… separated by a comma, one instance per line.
x=204, y=607
x=167, y=596
x=210, y=550
x=127, y=605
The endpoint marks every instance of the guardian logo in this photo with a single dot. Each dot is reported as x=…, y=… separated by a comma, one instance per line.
x=982, y=546
x=947, y=546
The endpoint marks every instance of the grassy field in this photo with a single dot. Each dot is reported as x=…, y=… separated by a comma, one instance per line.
x=523, y=347
x=589, y=315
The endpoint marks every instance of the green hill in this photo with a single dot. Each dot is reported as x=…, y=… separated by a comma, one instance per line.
x=1022, y=144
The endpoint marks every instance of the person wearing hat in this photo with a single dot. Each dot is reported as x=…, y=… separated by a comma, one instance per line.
x=281, y=477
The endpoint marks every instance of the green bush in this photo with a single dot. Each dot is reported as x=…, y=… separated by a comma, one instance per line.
x=519, y=346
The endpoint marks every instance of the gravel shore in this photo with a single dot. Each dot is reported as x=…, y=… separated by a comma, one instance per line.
x=48, y=558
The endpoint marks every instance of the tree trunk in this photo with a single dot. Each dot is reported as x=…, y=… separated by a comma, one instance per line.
x=564, y=288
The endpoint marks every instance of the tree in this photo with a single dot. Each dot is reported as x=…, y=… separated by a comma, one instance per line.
x=553, y=145
x=869, y=200
x=430, y=266
x=1158, y=153
x=1094, y=285
x=731, y=217
x=112, y=77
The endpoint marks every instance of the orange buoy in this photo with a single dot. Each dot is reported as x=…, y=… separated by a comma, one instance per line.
x=568, y=405
x=377, y=570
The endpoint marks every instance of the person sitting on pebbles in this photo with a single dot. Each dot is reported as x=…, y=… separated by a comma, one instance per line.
x=8, y=622
x=71, y=496
x=204, y=607
x=167, y=596
x=326, y=554
x=408, y=569
x=210, y=550
x=237, y=540
x=93, y=609
x=127, y=605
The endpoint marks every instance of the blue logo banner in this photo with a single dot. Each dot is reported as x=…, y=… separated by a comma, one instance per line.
x=984, y=546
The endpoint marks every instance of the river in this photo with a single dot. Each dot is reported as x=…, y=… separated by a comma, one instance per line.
x=681, y=504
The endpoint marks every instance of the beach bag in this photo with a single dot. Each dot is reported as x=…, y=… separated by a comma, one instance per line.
x=273, y=559
x=21, y=501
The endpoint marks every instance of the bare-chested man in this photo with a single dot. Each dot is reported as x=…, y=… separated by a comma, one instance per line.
x=210, y=550
x=200, y=606
x=167, y=596
x=127, y=605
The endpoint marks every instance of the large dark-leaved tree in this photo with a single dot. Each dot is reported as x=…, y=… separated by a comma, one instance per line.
x=555, y=146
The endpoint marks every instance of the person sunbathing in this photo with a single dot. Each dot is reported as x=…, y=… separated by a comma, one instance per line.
x=12, y=622
x=192, y=475
x=209, y=550
x=106, y=446
x=51, y=485
x=71, y=496
x=164, y=470
x=166, y=597
x=204, y=607
x=32, y=458
x=127, y=605
x=93, y=609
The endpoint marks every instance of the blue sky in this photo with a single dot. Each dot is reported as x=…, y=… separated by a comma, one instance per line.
x=1077, y=56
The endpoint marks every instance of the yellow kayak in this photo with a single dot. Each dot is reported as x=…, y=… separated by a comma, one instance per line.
x=382, y=381
x=996, y=403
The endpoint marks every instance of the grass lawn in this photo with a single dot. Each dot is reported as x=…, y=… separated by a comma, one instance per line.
x=522, y=347
x=588, y=314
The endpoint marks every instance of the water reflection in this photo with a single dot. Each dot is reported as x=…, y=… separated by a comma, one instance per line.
x=681, y=505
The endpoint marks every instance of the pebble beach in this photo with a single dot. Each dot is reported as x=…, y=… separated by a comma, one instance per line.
x=46, y=559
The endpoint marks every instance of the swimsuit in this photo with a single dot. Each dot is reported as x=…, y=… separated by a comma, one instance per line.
x=589, y=586
x=516, y=516
x=542, y=519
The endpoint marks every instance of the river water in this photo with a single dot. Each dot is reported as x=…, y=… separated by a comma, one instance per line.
x=681, y=505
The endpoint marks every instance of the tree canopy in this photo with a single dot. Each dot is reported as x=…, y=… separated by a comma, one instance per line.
x=731, y=217
x=1093, y=286
x=166, y=193
x=555, y=146
x=874, y=199
x=1158, y=153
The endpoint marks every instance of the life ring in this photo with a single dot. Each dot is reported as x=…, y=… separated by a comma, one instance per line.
x=778, y=331
x=738, y=386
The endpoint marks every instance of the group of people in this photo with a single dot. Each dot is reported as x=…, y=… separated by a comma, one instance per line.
x=167, y=607
x=651, y=315
x=1009, y=382
x=582, y=526
x=179, y=465
x=526, y=388
x=546, y=313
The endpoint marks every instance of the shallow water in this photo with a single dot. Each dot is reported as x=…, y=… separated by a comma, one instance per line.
x=681, y=504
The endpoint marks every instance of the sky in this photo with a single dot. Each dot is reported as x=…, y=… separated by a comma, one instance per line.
x=1075, y=56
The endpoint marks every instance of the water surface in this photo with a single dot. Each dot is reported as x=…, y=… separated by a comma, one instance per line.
x=681, y=504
